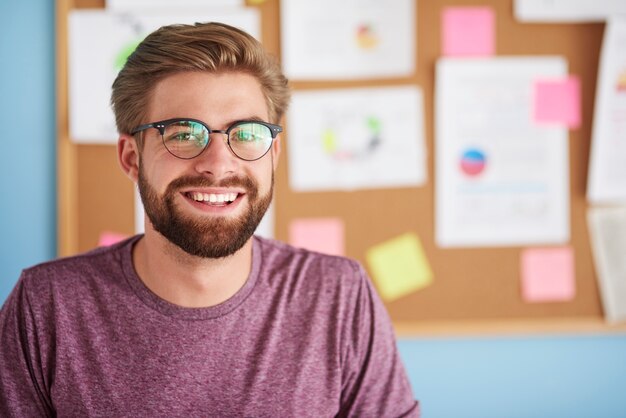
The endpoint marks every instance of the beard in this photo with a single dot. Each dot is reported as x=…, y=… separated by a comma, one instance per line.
x=206, y=237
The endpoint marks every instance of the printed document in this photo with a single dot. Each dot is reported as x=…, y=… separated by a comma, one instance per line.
x=100, y=42
x=358, y=138
x=607, y=227
x=568, y=10
x=501, y=179
x=607, y=165
x=347, y=39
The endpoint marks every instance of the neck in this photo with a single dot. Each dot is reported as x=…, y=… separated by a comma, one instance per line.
x=187, y=280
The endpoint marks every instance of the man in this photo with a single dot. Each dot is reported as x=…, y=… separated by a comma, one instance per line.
x=197, y=317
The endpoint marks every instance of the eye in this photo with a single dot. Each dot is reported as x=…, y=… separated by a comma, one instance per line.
x=250, y=132
x=185, y=132
x=243, y=135
x=180, y=136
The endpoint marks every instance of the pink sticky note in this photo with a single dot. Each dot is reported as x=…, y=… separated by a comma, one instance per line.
x=325, y=235
x=558, y=101
x=468, y=31
x=110, y=238
x=548, y=274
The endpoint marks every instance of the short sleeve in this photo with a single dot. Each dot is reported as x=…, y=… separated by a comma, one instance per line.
x=375, y=383
x=22, y=392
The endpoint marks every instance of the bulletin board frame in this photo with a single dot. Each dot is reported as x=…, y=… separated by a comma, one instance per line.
x=475, y=291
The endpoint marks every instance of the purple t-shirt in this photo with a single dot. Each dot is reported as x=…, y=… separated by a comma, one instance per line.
x=305, y=336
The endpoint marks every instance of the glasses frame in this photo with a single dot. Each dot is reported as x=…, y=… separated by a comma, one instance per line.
x=163, y=124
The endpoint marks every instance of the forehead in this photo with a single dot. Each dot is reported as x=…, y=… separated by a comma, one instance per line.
x=214, y=98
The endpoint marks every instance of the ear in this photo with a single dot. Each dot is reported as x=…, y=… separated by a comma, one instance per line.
x=128, y=156
x=275, y=151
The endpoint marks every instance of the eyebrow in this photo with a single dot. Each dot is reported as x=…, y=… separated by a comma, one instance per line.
x=227, y=125
x=232, y=121
x=251, y=119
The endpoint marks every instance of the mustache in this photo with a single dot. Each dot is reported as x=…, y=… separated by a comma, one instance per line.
x=190, y=181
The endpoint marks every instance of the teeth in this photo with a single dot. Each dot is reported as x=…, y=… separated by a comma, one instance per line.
x=213, y=198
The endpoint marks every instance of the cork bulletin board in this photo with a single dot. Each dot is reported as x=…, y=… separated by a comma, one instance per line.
x=474, y=290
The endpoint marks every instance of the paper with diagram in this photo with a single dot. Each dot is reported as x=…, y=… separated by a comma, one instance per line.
x=100, y=42
x=501, y=179
x=359, y=138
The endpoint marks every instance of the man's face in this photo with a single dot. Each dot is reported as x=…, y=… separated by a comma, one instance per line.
x=209, y=205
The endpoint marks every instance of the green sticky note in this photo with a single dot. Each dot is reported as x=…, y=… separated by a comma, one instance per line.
x=399, y=266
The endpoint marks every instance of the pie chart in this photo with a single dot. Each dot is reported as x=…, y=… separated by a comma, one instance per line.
x=473, y=162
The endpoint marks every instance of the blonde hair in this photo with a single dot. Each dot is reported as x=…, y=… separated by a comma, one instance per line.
x=211, y=47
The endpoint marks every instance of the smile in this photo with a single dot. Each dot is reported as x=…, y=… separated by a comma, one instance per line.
x=217, y=199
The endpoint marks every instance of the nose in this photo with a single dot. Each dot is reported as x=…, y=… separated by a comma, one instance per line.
x=217, y=160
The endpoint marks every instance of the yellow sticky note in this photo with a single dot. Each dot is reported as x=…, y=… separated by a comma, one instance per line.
x=399, y=266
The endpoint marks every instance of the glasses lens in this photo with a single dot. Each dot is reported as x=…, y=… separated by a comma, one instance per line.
x=249, y=140
x=185, y=139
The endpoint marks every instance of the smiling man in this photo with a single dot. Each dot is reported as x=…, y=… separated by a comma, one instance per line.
x=198, y=317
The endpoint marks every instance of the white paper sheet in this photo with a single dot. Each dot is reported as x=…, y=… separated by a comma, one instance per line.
x=568, y=10
x=500, y=178
x=99, y=43
x=140, y=227
x=151, y=6
x=607, y=166
x=347, y=39
x=607, y=228
x=356, y=139
x=265, y=228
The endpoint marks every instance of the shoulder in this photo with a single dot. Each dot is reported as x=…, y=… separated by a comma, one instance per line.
x=308, y=273
x=78, y=269
x=281, y=257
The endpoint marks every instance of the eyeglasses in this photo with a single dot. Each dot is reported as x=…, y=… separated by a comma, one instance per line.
x=187, y=138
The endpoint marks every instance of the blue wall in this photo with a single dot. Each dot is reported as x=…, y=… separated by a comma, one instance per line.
x=547, y=377
x=27, y=157
x=565, y=376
